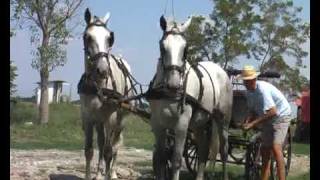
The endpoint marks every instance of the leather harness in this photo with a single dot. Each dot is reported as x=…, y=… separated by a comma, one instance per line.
x=179, y=94
x=87, y=85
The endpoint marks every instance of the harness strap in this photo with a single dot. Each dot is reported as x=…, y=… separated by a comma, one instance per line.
x=125, y=73
x=128, y=75
x=199, y=75
x=114, y=86
x=214, y=97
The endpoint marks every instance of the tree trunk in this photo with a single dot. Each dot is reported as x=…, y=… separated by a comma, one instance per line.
x=44, y=78
x=44, y=105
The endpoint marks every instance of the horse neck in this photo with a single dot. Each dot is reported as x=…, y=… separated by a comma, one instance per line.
x=86, y=70
x=118, y=75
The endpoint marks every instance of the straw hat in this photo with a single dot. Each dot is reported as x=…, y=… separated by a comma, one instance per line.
x=248, y=73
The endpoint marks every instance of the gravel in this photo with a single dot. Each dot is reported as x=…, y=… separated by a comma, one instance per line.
x=132, y=163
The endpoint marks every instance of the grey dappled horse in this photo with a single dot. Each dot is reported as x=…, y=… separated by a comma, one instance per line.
x=176, y=80
x=105, y=78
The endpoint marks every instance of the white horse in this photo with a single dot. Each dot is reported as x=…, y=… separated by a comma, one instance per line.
x=207, y=111
x=106, y=79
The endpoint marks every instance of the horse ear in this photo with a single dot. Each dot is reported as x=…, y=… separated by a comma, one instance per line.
x=87, y=16
x=111, y=39
x=163, y=23
x=185, y=25
x=106, y=18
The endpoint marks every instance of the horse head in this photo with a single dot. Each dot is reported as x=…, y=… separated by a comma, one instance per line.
x=98, y=40
x=173, y=48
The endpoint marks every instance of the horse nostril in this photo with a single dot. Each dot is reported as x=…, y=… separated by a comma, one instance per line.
x=101, y=72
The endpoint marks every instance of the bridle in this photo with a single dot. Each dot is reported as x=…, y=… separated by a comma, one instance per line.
x=166, y=68
x=94, y=58
x=99, y=54
x=180, y=69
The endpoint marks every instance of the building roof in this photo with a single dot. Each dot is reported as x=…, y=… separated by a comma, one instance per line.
x=53, y=81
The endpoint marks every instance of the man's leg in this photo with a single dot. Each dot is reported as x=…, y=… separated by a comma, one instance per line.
x=280, y=133
x=266, y=162
x=278, y=155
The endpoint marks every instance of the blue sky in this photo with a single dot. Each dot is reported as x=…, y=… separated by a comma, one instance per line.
x=135, y=24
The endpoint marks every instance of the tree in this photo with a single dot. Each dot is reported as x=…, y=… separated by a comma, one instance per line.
x=231, y=35
x=280, y=32
x=196, y=40
x=47, y=21
x=279, y=35
x=262, y=30
x=291, y=80
x=13, y=75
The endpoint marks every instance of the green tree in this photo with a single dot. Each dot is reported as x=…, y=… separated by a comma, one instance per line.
x=231, y=35
x=198, y=44
x=291, y=80
x=280, y=32
x=47, y=22
x=13, y=75
x=261, y=30
x=279, y=36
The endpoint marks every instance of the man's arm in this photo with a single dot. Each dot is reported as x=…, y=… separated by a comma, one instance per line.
x=265, y=117
x=251, y=116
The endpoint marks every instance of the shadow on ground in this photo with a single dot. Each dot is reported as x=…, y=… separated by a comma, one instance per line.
x=64, y=177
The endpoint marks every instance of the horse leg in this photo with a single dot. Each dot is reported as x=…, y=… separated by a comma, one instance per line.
x=107, y=153
x=116, y=143
x=101, y=141
x=112, y=142
x=223, y=136
x=88, y=131
x=202, y=137
x=213, y=147
x=181, y=130
x=159, y=156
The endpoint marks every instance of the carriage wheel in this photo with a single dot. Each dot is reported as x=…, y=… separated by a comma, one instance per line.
x=286, y=149
x=253, y=161
x=190, y=154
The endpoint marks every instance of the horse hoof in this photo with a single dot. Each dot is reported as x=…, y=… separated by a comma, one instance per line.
x=98, y=177
x=114, y=175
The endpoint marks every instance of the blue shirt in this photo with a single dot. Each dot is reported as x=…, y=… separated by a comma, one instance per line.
x=266, y=96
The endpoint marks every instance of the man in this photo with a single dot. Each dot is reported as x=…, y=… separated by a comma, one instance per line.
x=269, y=110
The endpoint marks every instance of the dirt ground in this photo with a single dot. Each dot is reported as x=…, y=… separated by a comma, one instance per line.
x=69, y=165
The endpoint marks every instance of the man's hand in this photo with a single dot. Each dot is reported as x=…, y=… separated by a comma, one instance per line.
x=247, y=126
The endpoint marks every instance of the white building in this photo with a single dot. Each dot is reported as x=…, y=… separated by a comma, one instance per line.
x=55, y=91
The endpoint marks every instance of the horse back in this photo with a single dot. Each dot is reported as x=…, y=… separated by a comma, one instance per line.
x=217, y=87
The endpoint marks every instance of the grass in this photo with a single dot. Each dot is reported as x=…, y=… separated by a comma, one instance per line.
x=305, y=176
x=62, y=132
x=137, y=133
x=64, y=129
x=300, y=148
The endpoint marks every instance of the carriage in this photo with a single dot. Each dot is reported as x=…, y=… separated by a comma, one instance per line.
x=244, y=146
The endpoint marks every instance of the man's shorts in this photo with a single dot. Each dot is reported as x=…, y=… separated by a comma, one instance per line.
x=275, y=133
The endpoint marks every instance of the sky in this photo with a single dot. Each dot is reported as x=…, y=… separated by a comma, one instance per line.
x=137, y=33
